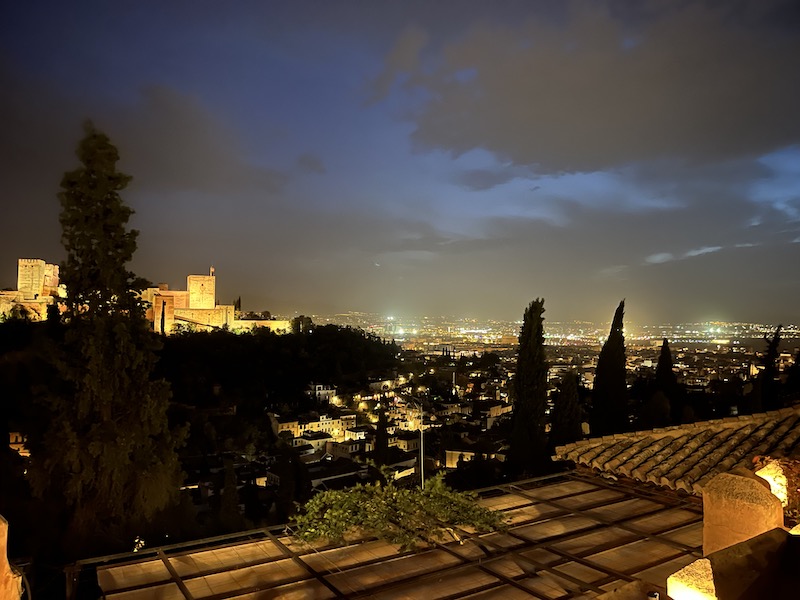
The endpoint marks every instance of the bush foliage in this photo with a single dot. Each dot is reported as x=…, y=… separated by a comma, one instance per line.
x=402, y=516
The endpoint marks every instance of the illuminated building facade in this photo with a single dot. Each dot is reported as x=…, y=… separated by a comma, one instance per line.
x=196, y=308
x=37, y=288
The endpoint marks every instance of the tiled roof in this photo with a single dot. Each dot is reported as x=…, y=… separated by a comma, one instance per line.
x=686, y=457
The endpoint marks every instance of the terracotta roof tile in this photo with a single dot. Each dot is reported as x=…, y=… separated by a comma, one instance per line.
x=675, y=444
x=686, y=457
x=612, y=451
x=648, y=448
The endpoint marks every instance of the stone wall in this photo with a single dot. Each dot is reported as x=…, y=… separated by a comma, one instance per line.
x=760, y=568
x=736, y=508
x=163, y=313
x=30, y=277
x=273, y=326
x=10, y=580
x=202, y=291
x=215, y=317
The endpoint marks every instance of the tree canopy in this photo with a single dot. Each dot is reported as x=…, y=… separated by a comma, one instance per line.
x=768, y=386
x=665, y=375
x=530, y=387
x=567, y=413
x=609, y=397
x=94, y=232
x=105, y=446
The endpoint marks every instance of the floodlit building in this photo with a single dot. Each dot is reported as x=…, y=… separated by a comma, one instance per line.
x=37, y=288
x=336, y=426
x=36, y=278
x=196, y=308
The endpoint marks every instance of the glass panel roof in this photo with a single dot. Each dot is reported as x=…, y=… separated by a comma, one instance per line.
x=570, y=536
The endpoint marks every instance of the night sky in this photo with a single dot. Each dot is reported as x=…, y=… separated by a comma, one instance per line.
x=425, y=158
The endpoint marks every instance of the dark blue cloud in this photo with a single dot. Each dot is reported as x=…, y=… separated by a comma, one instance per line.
x=482, y=153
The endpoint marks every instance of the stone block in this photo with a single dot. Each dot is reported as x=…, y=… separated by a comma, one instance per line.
x=10, y=580
x=762, y=567
x=737, y=508
x=695, y=580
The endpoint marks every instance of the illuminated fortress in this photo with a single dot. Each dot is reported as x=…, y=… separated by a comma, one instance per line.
x=194, y=308
x=37, y=288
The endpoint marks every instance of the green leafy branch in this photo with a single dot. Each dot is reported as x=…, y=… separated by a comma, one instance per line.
x=402, y=516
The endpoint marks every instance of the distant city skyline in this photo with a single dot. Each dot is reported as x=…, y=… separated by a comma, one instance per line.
x=492, y=330
x=43, y=284
x=411, y=158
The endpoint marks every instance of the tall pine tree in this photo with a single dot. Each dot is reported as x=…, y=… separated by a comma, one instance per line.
x=106, y=449
x=530, y=385
x=610, y=393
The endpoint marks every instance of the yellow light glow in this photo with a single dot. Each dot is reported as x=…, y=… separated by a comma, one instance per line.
x=778, y=485
x=693, y=582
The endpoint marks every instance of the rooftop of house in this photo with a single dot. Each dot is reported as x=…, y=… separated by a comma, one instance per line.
x=570, y=536
x=361, y=428
x=687, y=457
x=316, y=435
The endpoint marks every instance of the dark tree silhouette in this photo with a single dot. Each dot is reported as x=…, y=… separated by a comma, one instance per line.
x=565, y=424
x=382, y=439
x=656, y=411
x=657, y=407
x=530, y=385
x=609, y=397
x=302, y=324
x=94, y=234
x=767, y=385
x=792, y=387
x=228, y=515
x=106, y=449
x=665, y=375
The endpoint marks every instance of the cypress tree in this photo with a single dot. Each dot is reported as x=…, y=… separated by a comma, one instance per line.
x=791, y=388
x=665, y=376
x=530, y=385
x=228, y=515
x=657, y=408
x=565, y=424
x=106, y=450
x=609, y=397
x=768, y=386
x=382, y=438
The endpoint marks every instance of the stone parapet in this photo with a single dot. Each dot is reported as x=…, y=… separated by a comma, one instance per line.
x=759, y=568
x=10, y=579
x=736, y=508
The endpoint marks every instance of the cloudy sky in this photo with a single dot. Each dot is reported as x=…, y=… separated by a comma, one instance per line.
x=448, y=157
